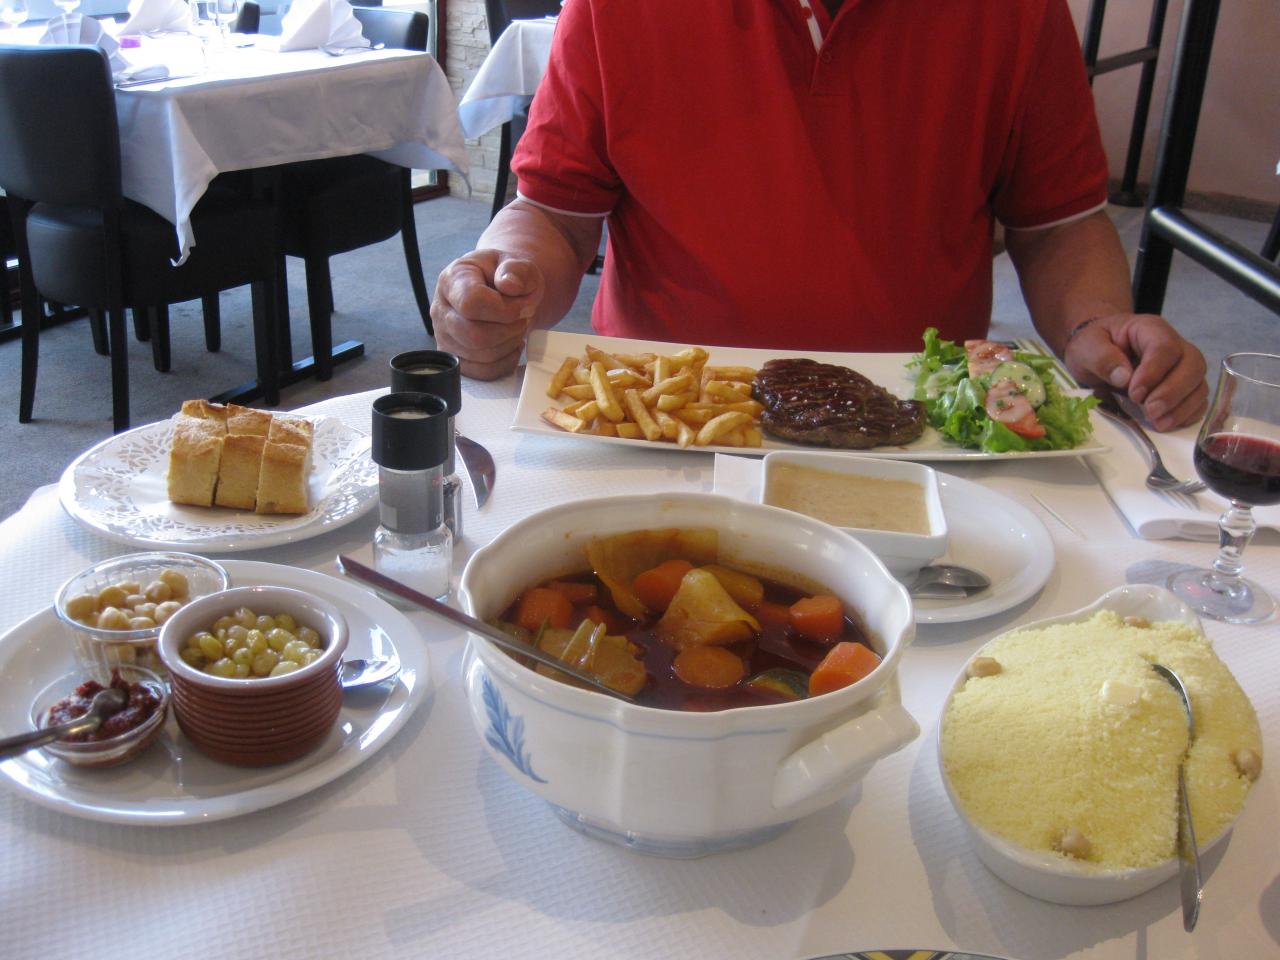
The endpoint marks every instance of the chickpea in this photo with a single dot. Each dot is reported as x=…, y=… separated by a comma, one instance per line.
x=134, y=600
x=1073, y=843
x=141, y=623
x=82, y=607
x=111, y=597
x=984, y=667
x=1135, y=621
x=166, y=610
x=176, y=581
x=113, y=618
x=1248, y=762
x=158, y=591
x=145, y=610
x=121, y=653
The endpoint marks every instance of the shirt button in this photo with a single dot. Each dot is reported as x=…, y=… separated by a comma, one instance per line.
x=825, y=56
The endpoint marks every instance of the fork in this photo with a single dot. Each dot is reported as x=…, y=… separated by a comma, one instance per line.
x=1159, y=478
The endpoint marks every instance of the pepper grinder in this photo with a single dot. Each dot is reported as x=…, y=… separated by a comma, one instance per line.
x=413, y=544
x=436, y=372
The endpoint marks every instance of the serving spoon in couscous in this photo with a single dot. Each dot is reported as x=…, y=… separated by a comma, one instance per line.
x=1189, y=882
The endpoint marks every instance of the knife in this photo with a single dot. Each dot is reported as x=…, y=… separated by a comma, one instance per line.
x=480, y=468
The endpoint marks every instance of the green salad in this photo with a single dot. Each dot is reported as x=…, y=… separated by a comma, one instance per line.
x=994, y=398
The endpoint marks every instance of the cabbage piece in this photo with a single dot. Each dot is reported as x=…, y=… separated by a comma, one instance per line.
x=614, y=661
x=744, y=588
x=616, y=560
x=702, y=612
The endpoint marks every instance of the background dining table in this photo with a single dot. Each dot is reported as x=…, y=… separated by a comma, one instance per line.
x=251, y=106
x=429, y=848
x=509, y=75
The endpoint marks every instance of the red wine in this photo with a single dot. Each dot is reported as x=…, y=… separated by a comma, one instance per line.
x=1241, y=467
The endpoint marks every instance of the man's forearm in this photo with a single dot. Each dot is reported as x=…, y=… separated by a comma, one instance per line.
x=1071, y=273
x=561, y=246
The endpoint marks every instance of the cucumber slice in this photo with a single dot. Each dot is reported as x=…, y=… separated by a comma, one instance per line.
x=1024, y=378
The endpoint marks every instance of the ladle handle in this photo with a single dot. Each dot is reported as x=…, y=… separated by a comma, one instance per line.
x=358, y=571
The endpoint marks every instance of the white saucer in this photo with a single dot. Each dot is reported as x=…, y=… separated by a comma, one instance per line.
x=996, y=535
x=172, y=782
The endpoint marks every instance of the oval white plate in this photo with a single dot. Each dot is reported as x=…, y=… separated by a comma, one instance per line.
x=172, y=782
x=118, y=489
x=1000, y=537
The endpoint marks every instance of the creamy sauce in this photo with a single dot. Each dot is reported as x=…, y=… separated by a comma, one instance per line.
x=849, y=500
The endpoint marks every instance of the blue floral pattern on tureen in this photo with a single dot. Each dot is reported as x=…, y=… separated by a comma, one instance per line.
x=506, y=731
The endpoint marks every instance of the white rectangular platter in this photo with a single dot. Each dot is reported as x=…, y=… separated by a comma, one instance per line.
x=548, y=348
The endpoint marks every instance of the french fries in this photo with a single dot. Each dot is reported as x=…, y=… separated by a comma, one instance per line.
x=677, y=398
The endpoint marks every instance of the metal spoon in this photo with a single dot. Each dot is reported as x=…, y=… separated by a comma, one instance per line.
x=358, y=673
x=104, y=704
x=947, y=581
x=358, y=571
x=1190, y=882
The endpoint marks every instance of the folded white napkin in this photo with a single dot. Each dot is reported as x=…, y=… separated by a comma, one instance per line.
x=145, y=16
x=143, y=73
x=74, y=28
x=321, y=23
x=1122, y=471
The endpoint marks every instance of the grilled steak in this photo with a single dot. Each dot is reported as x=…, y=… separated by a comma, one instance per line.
x=826, y=405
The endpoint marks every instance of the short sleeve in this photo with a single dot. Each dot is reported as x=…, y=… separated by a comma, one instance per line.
x=562, y=159
x=1055, y=167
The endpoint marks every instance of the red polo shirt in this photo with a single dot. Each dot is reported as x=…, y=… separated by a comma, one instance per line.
x=773, y=179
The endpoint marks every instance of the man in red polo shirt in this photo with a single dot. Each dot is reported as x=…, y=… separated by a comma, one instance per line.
x=775, y=173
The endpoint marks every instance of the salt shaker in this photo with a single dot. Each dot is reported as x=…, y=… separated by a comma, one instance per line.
x=411, y=447
x=436, y=372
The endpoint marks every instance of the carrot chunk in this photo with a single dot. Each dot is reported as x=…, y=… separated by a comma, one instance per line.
x=773, y=614
x=711, y=667
x=845, y=663
x=542, y=604
x=655, y=587
x=577, y=592
x=818, y=618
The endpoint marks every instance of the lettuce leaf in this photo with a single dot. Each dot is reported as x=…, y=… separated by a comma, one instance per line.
x=954, y=402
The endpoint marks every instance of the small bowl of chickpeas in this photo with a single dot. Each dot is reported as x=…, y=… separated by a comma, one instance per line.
x=113, y=611
x=255, y=672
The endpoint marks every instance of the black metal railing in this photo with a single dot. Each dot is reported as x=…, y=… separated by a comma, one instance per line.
x=1165, y=227
x=1147, y=56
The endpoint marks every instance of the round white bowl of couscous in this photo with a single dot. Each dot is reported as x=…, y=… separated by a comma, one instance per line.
x=1059, y=748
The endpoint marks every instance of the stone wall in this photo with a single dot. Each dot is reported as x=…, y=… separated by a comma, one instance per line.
x=466, y=43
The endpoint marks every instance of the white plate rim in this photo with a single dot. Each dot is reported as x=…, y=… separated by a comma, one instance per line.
x=285, y=529
x=415, y=680
x=546, y=348
x=1033, y=538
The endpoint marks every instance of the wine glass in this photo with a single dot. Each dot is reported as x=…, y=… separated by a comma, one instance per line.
x=225, y=13
x=13, y=13
x=67, y=7
x=1238, y=456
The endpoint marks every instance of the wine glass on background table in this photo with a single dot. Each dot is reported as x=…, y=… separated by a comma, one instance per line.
x=1238, y=456
x=225, y=13
x=68, y=7
x=13, y=13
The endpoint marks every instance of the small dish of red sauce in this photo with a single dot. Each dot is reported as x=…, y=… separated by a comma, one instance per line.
x=122, y=735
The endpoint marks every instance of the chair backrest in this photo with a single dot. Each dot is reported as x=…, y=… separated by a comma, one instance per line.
x=399, y=29
x=499, y=13
x=59, y=140
x=249, y=18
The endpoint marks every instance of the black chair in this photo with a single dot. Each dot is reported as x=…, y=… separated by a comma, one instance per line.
x=500, y=13
x=248, y=19
x=339, y=204
x=7, y=250
x=79, y=241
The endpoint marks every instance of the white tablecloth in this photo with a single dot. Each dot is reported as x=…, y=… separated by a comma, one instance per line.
x=431, y=850
x=244, y=108
x=510, y=74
